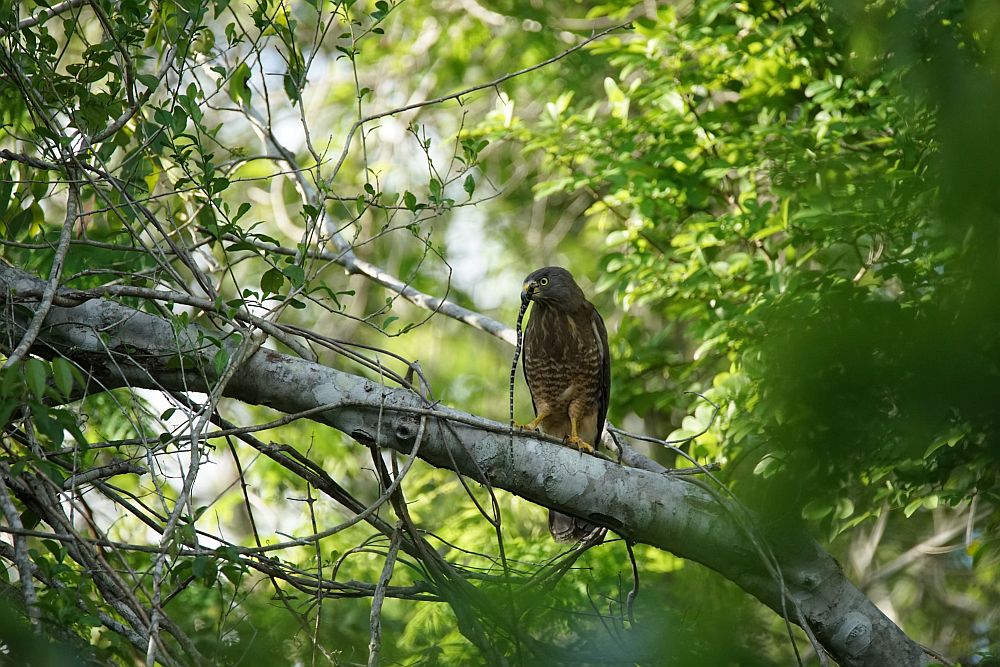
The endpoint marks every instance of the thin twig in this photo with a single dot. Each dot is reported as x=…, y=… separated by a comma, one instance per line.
x=630, y=598
x=375, y=618
x=21, y=559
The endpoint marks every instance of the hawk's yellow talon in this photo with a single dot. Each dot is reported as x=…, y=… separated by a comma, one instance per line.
x=575, y=441
x=578, y=444
x=533, y=424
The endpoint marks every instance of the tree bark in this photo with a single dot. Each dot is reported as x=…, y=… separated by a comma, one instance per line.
x=120, y=346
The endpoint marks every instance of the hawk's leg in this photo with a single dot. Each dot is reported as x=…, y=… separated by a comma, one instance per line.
x=534, y=423
x=575, y=441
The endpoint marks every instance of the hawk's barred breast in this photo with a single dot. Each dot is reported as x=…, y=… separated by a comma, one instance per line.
x=562, y=358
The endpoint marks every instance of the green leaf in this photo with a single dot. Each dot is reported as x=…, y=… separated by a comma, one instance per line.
x=7, y=408
x=815, y=510
x=47, y=424
x=244, y=207
x=6, y=186
x=18, y=222
x=767, y=466
x=296, y=274
x=220, y=360
x=469, y=185
x=206, y=569
x=62, y=374
x=844, y=509
x=233, y=573
x=242, y=245
x=271, y=281
x=35, y=373
x=239, y=89
x=310, y=212
x=228, y=552
x=182, y=570
x=617, y=99
x=55, y=549
x=88, y=620
x=30, y=520
x=950, y=440
x=220, y=6
x=912, y=507
x=151, y=82
x=292, y=89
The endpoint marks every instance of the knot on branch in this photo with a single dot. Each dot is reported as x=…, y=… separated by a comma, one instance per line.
x=854, y=634
x=406, y=427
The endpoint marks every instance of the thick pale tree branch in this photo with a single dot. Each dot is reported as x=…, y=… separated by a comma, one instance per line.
x=121, y=346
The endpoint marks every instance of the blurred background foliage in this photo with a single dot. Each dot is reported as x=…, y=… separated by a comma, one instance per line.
x=788, y=206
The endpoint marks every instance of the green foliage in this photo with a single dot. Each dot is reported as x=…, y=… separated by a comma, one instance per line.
x=26, y=391
x=51, y=648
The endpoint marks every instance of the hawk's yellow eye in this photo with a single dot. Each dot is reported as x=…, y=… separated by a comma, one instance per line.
x=543, y=282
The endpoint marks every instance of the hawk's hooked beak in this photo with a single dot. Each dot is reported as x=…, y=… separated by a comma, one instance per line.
x=527, y=289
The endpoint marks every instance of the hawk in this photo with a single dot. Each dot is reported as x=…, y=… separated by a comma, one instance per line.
x=568, y=370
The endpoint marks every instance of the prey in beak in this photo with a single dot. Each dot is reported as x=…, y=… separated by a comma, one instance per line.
x=527, y=290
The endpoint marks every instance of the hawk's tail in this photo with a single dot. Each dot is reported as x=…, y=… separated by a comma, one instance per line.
x=566, y=528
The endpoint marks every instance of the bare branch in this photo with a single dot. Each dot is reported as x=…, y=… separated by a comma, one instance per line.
x=103, y=472
x=451, y=309
x=935, y=544
x=346, y=258
x=43, y=15
x=375, y=620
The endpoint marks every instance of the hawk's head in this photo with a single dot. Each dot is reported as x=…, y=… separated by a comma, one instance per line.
x=553, y=286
